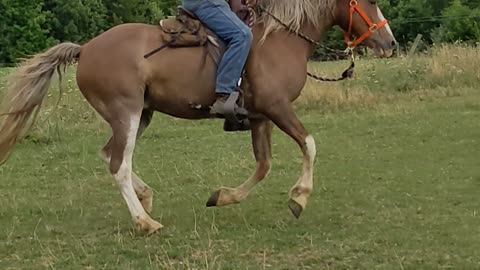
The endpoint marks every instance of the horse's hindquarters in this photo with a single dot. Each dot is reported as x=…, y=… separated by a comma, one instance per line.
x=112, y=69
x=110, y=72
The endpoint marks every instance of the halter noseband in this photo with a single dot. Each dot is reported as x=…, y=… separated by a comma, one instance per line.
x=372, y=27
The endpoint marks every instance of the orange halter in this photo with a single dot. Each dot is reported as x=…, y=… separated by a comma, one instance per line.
x=372, y=27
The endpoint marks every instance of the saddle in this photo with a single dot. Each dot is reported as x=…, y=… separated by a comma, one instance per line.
x=186, y=30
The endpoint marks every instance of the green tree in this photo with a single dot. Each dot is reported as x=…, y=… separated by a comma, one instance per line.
x=459, y=23
x=472, y=3
x=76, y=21
x=439, y=5
x=23, y=29
x=411, y=17
x=129, y=11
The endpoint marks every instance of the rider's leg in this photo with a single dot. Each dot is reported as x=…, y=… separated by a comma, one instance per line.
x=217, y=15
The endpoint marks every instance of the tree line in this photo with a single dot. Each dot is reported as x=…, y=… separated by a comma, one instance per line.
x=30, y=26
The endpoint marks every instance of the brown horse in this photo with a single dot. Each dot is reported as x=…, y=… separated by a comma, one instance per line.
x=125, y=89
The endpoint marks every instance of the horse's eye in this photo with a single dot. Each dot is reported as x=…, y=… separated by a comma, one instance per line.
x=373, y=2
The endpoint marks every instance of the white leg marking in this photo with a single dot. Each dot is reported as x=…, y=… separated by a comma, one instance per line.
x=138, y=183
x=305, y=183
x=309, y=161
x=311, y=148
x=124, y=175
x=304, y=186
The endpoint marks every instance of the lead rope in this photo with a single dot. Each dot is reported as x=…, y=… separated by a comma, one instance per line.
x=347, y=74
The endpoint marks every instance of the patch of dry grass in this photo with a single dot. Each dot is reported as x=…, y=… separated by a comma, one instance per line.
x=443, y=71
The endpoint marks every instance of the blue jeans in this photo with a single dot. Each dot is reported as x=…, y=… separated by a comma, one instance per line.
x=217, y=15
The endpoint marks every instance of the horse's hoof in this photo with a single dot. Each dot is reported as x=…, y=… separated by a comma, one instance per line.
x=296, y=208
x=155, y=228
x=148, y=226
x=213, y=201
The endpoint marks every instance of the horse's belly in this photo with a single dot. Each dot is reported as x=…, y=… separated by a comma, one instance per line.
x=181, y=100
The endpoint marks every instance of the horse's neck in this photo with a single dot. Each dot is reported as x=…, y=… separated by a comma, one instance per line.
x=301, y=44
x=294, y=43
x=314, y=34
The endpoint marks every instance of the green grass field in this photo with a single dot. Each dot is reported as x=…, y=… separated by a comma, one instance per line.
x=397, y=179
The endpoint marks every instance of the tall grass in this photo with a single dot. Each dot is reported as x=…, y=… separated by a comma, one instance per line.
x=442, y=71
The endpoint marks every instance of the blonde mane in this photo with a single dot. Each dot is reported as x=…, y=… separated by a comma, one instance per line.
x=296, y=12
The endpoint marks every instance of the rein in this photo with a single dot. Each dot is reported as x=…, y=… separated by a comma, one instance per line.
x=347, y=74
x=354, y=7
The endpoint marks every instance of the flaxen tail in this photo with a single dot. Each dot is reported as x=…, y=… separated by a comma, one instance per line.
x=28, y=87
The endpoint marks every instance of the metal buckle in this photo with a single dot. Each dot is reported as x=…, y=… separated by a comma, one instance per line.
x=349, y=48
x=353, y=3
x=373, y=28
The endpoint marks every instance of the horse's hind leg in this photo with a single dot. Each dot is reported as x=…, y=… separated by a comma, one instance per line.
x=261, y=140
x=125, y=128
x=143, y=191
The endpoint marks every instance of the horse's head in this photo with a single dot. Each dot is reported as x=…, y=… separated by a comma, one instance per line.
x=364, y=20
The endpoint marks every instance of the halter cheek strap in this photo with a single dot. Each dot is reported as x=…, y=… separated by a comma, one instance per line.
x=372, y=27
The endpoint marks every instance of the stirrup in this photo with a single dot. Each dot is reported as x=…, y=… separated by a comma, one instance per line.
x=233, y=112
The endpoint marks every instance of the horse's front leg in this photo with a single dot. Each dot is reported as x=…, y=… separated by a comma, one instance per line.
x=282, y=114
x=261, y=140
